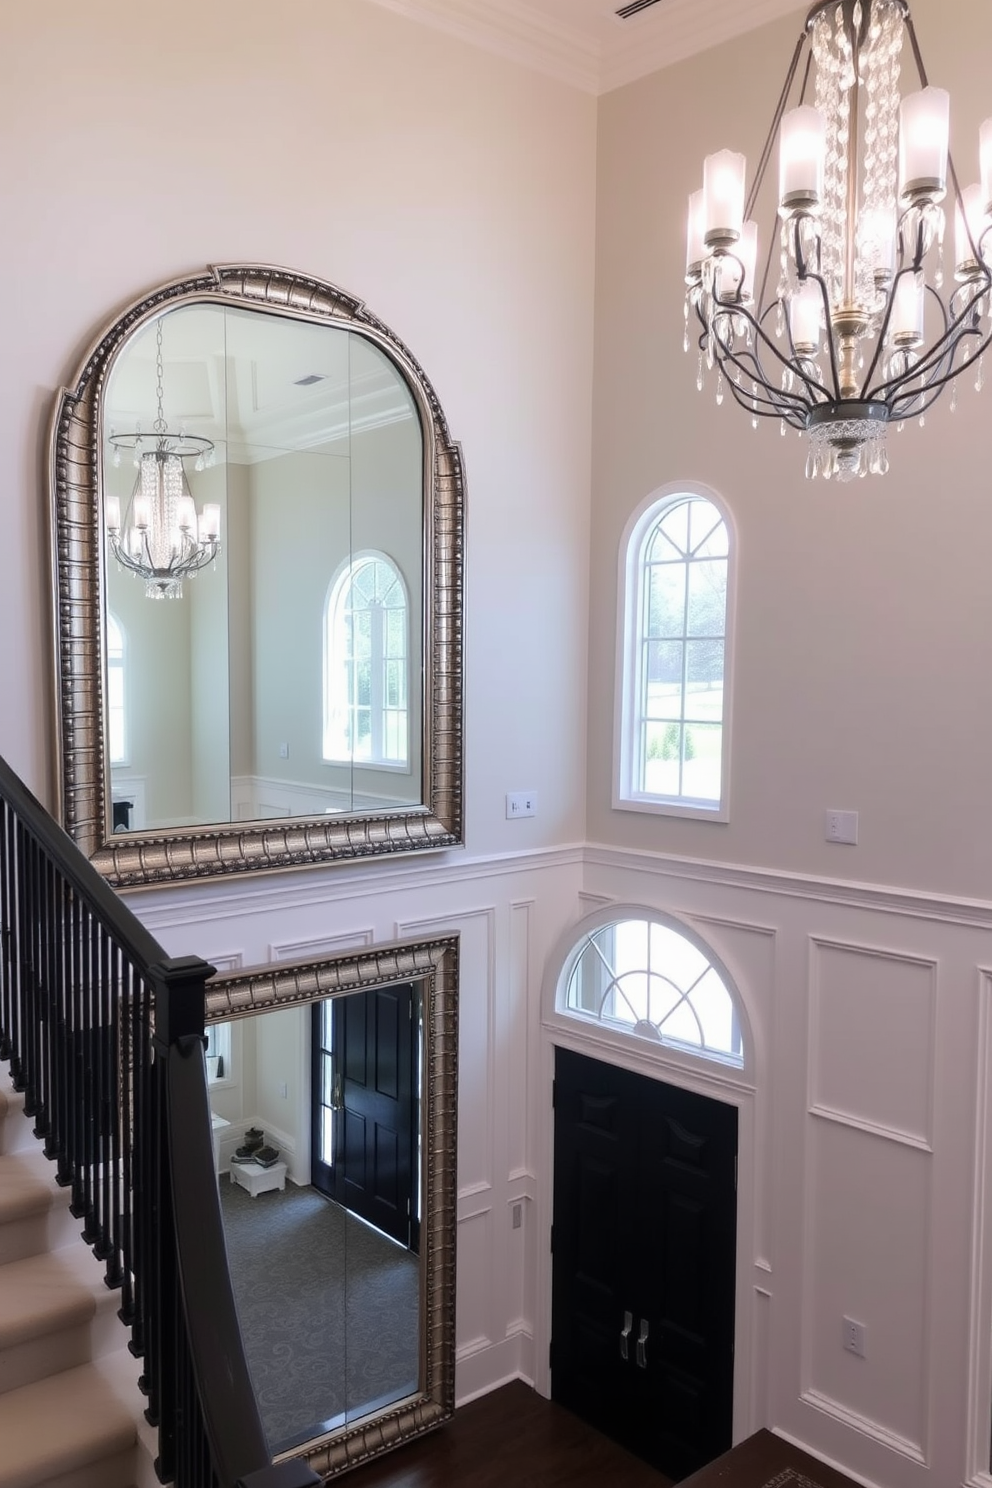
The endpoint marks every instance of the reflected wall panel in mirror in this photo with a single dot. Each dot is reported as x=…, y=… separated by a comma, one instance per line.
x=258, y=555
x=333, y=1100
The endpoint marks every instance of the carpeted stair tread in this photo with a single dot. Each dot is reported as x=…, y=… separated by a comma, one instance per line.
x=60, y=1425
x=42, y=1294
x=25, y=1185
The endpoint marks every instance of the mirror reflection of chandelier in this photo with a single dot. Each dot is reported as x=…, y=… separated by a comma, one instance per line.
x=860, y=330
x=162, y=540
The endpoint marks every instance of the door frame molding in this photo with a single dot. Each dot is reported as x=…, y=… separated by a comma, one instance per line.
x=709, y=1077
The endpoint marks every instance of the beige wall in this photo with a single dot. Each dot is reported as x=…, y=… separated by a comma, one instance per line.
x=455, y=193
x=863, y=611
x=452, y=191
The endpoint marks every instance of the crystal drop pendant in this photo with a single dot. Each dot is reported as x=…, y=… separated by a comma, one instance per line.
x=980, y=377
x=719, y=388
x=699, y=374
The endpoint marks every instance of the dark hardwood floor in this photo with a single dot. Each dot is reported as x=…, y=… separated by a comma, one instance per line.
x=512, y=1438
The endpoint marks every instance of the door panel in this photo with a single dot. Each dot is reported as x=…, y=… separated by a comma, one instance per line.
x=365, y=1070
x=645, y=1233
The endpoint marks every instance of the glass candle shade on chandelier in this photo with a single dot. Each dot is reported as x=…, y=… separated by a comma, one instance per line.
x=163, y=539
x=861, y=329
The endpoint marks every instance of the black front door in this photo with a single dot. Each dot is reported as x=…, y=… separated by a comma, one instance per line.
x=365, y=1106
x=644, y=1261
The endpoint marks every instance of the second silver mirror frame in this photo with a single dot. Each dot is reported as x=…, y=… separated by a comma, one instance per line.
x=432, y=965
x=77, y=454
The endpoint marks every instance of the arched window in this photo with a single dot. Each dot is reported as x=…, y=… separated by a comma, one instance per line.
x=650, y=979
x=116, y=691
x=366, y=664
x=675, y=581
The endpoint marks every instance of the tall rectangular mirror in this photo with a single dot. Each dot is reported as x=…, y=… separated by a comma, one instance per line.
x=332, y=1099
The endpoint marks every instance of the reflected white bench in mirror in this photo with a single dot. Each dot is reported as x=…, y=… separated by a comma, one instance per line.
x=256, y=1180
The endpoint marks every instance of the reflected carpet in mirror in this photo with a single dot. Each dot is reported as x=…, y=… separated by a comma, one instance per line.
x=328, y=1308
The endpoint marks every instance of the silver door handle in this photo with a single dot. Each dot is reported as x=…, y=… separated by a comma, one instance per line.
x=336, y=1098
x=628, y=1323
x=642, y=1339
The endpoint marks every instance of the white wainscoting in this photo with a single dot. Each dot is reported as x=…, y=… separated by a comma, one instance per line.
x=507, y=913
x=865, y=1181
x=871, y=1017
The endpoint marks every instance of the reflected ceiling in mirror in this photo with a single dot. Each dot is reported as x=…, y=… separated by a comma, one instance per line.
x=342, y=1266
x=271, y=462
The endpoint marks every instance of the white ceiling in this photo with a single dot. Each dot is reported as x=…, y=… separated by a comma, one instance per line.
x=584, y=42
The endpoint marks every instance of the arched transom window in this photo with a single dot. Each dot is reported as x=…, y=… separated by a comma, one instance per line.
x=648, y=979
x=366, y=664
x=673, y=719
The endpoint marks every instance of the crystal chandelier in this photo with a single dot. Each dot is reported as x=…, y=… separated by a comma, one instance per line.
x=860, y=330
x=162, y=540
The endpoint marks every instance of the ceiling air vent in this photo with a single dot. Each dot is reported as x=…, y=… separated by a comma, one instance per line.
x=634, y=8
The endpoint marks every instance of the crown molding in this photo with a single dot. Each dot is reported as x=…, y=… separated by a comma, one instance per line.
x=683, y=28
x=514, y=31
x=622, y=52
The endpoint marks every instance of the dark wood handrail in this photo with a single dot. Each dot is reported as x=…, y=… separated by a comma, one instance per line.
x=78, y=872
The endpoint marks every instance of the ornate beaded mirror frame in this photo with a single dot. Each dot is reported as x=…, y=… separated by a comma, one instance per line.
x=432, y=967
x=425, y=812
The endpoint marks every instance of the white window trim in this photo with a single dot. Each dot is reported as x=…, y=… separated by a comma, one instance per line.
x=227, y=1034
x=625, y=798
x=124, y=759
x=391, y=767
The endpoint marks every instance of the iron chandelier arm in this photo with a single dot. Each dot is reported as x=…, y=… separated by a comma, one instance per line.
x=761, y=404
x=927, y=370
x=935, y=385
x=764, y=398
x=818, y=392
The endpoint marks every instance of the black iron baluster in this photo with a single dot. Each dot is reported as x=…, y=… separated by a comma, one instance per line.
x=50, y=1004
x=61, y=1084
x=128, y=1036
x=6, y=873
x=77, y=1079
x=115, y=1055
x=105, y=1084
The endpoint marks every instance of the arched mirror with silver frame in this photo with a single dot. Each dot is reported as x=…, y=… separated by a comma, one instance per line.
x=340, y=1222
x=257, y=546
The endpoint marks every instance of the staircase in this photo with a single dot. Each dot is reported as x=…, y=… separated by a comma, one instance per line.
x=70, y=1411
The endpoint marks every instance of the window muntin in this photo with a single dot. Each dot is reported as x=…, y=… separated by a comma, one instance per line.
x=116, y=693
x=366, y=666
x=673, y=747
x=218, y=1053
x=645, y=978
